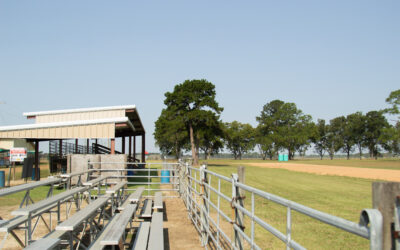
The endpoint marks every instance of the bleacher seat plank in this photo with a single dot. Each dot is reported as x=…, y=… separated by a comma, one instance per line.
x=94, y=181
x=114, y=232
x=8, y=225
x=125, y=203
x=77, y=219
x=28, y=186
x=46, y=202
x=76, y=173
x=146, y=210
x=44, y=244
x=117, y=187
x=137, y=195
x=156, y=238
x=142, y=236
x=158, y=202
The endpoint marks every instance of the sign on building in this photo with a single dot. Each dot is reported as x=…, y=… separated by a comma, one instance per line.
x=17, y=154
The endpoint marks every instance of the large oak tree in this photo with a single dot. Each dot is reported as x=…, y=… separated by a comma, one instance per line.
x=194, y=102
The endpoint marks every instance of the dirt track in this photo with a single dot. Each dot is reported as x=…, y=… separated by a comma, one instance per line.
x=366, y=173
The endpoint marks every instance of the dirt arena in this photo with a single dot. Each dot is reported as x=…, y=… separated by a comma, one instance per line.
x=366, y=173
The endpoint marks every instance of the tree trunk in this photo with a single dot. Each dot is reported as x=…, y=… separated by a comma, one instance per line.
x=348, y=155
x=192, y=144
x=360, y=150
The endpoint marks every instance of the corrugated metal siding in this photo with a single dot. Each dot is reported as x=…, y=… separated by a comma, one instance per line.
x=80, y=116
x=68, y=132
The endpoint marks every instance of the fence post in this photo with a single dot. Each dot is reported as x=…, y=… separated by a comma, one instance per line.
x=240, y=198
x=235, y=212
x=383, y=198
x=188, y=191
x=204, y=207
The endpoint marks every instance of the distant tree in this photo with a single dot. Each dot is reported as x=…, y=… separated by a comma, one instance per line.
x=288, y=126
x=347, y=138
x=334, y=139
x=394, y=100
x=194, y=101
x=170, y=134
x=356, y=127
x=265, y=143
x=319, y=138
x=239, y=138
x=211, y=137
x=375, y=126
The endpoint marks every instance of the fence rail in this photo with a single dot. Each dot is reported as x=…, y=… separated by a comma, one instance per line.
x=196, y=188
x=205, y=200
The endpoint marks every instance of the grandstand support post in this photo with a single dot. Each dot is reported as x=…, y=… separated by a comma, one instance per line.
x=134, y=148
x=204, y=207
x=123, y=144
x=143, y=147
x=76, y=146
x=130, y=146
x=37, y=160
x=237, y=222
x=60, y=147
x=112, y=146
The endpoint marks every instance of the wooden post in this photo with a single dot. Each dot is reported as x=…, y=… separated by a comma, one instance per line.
x=112, y=146
x=240, y=200
x=204, y=212
x=383, y=198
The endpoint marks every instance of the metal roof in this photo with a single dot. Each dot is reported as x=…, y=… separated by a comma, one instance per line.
x=66, y=124
x=99, y=122
x=80, y=110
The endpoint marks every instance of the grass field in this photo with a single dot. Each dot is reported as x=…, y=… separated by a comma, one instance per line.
x=341, y=196
x=381, y=163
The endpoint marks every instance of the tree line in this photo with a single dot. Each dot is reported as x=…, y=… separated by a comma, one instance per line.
x=191, y=122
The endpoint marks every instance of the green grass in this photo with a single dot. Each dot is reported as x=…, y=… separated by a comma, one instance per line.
x=340, y=196
x=36, y=194
x=382, y=163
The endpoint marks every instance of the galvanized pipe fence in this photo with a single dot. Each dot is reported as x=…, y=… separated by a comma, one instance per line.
x=200, y=190
x=148, y=175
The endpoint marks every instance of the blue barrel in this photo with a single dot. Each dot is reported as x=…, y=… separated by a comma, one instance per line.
x=33, y=174
x=130, y=172
x=280, y=157
x=2, y=179
x=165, y=176
x=285, y=157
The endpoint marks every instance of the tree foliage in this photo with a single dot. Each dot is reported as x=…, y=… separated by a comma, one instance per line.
x=170, y=134
x=319, y=138
x=285, y=125
x=394, y=100
x=193, y=101
x=239, y=138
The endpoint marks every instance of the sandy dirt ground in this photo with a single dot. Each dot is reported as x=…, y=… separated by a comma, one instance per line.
x=179, y=232
x=366, y=173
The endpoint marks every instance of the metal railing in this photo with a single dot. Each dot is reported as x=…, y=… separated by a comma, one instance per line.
x=199, y=195
x=149, y=175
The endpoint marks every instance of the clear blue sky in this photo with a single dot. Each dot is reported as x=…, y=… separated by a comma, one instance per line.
x=329, y=57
